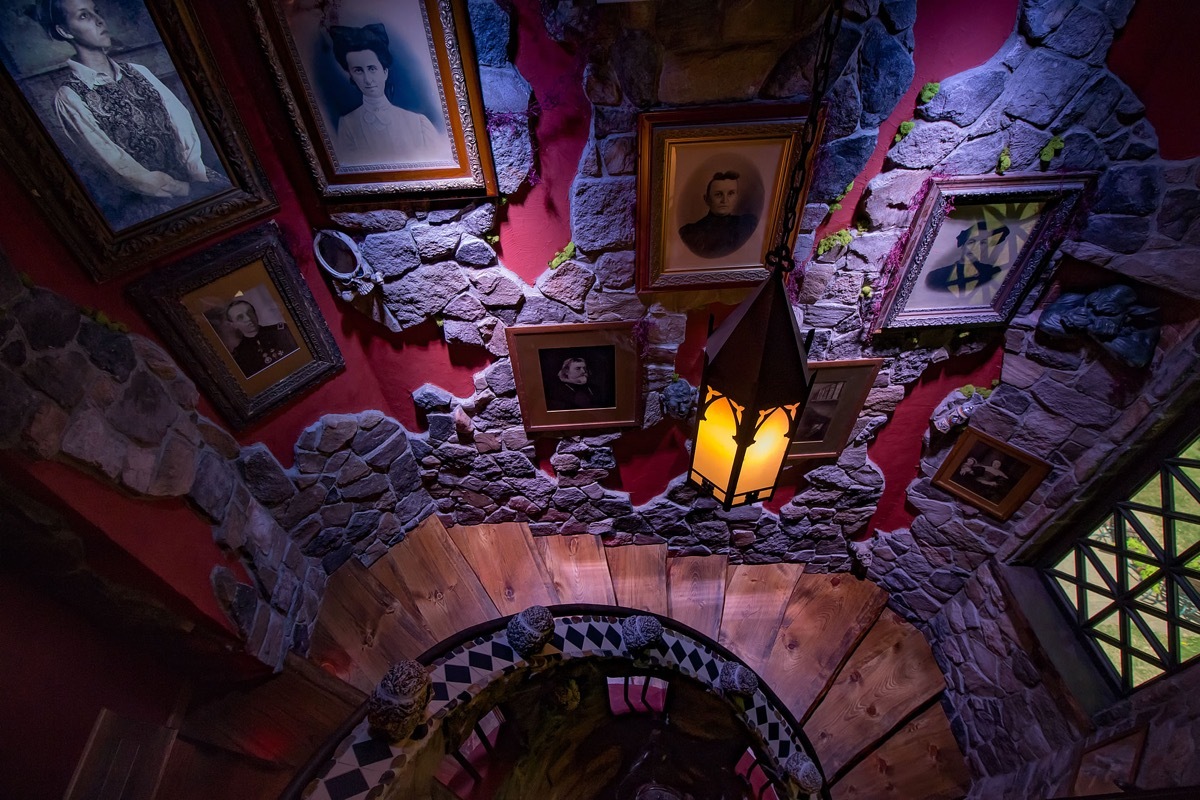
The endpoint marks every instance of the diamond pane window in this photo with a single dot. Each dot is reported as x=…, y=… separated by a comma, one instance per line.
x=1132, y=583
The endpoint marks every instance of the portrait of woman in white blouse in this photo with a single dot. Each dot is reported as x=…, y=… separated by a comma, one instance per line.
x=132, y=140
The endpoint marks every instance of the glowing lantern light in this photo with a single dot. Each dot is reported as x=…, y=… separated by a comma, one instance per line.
x=756, y=382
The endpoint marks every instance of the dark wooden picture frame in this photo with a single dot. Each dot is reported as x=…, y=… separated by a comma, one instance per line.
x=115, y=211
x=198, y=306
x=1103, y=767
x=991, y=475
x=976, y=245
x=577, y=376
x=839, y=390
x=433, y=72
x=691, y=237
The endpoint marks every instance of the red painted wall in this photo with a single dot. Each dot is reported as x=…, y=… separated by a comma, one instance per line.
x=59, y=670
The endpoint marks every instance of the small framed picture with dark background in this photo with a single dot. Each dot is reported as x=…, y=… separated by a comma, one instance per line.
x=990, y=474
x=839, y=390
x=576, y=377
x=242, y=316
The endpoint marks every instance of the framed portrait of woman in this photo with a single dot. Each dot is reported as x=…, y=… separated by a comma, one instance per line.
x=384, y=95
x=242, y=315
x=990, y=474
x=117, y=121
x=711, y=185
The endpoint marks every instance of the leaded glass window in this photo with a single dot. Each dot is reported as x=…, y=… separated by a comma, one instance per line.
x=1133, y=582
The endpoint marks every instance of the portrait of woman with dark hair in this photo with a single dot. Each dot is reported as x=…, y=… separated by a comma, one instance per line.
x=141, y=150
x=378, y=131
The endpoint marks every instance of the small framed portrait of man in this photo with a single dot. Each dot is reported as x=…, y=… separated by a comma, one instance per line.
x=385, y=93
x=990, y=474
x=121, y=118
x=711, y=184
x=576, y=377
x=241, y=313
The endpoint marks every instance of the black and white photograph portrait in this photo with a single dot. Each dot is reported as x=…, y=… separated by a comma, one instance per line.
x=369, y=66
x=716, y=214
x=251, y=327
x=819, y=411
x=578, y=377
x=988, y=472
x=100, y=80
x=725, y=226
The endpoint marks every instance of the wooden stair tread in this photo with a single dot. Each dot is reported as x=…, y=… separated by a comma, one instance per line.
x=577, y=568
x=434, y=584
x=755, y=598
x=283, y=719
x=639, y=576
x=826, y=617
x=348, y=624
x=696, y=590
x=890, y=674
x=507, y=564
x=921, y=760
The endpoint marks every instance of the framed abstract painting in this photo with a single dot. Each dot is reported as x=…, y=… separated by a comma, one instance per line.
x=384, y=95
x=117, y=122
x=976, y=246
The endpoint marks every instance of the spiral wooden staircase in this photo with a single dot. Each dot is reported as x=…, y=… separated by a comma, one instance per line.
x=860, y=680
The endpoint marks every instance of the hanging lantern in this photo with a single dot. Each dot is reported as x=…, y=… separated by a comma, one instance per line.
x=756, y=383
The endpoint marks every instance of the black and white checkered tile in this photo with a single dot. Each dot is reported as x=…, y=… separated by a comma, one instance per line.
x=361, y=762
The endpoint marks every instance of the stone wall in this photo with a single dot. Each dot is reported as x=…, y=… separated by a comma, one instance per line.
x=1018, y=731
x=117, y=406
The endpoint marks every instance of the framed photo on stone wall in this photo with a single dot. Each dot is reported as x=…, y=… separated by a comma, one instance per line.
x=576, y=376
x=241, y=316
x=975, y=247
x=384, y=95
x=839, y=390
x=118, y=123
x=711, y=183
x=991, y=475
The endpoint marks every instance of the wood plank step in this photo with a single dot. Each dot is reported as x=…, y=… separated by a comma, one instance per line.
x=507, y=564
x=639, y=576
x=696, y=589
x=825, y=619
x=353, y=608
x=434, y=585
x=755, y=598
x=921, y=760
x=577, y=568
x=890, y=674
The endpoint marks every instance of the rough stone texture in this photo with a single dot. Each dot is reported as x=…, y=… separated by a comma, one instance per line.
x=602, y=214
x=117, y=405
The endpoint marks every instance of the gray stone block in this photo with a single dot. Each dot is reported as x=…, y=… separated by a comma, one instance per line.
x=435, y=242
x=264, y=476
x=423, y=292
x=885, y=70
x=109, y=350
x=491, y=28
x=839, y=162
x=394, y=253
x=1043, y=85
x=47, y=319
x=602, y=213
x=963, y=97
x=1129, y=189
x=1084, y=32
x=568, y=284
x=926, y=145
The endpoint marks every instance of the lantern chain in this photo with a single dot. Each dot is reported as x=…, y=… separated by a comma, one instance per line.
x=781, y=258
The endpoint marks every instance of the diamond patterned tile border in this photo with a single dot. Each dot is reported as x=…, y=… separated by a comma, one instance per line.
x=461, y=674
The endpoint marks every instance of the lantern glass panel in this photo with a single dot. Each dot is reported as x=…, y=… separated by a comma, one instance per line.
x=760, y=466
x=715, y=446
